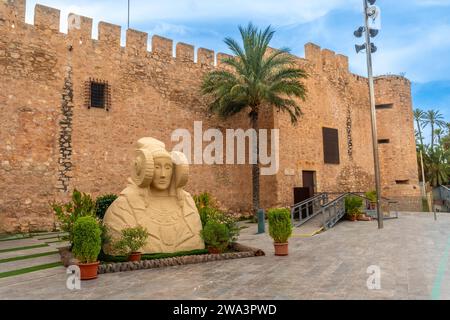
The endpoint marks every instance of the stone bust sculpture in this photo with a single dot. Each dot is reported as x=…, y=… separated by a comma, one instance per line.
x=155, y=200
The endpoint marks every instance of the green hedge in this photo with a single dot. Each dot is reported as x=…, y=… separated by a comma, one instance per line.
x=108, y=258
x=102, y=204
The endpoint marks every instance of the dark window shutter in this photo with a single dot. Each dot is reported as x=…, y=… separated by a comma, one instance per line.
x=331, y=145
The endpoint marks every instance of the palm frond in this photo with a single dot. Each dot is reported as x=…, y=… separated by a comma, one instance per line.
x=257, y=77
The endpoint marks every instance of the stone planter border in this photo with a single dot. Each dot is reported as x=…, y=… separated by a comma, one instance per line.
x=110, y=267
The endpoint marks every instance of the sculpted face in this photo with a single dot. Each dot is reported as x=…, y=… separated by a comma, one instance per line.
x=163, y=173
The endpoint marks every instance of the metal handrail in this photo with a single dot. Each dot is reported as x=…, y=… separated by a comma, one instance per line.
x=358, y=193
x=309, y=205
x=335, y=200
x=308, y=200
x=338, y=206
x=335, y=210
x=331, y=211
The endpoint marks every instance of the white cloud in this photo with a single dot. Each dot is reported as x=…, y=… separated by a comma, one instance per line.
x=433, y=3
x=168, y=28
x=419, y=57
x=281, y=12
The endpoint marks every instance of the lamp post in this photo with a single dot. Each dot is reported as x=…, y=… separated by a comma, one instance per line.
x=372, y=12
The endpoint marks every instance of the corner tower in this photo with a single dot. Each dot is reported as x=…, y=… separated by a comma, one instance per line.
x=397, y=146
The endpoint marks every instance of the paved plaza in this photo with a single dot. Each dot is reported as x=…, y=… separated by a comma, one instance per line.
x=412, y=253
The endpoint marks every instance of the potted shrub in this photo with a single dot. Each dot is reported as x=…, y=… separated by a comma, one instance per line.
x=86, y=246
x=372, y=196
x=81, y=205
x=131, y=241
x=280, y=229
x=216, y=236
x=352, y=207
x=353, y=214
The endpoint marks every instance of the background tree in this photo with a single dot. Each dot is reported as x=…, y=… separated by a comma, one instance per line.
x=259, y=79
x=446, y=139
x=419, y=116
x=436, y=120
x=437, y=166
x=438, y=133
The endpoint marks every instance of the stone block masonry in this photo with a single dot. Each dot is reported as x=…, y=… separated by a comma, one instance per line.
x=51, y=143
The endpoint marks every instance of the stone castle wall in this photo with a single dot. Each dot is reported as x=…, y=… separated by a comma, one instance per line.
x=51, y=142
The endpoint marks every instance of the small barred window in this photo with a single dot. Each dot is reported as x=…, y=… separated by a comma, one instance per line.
x=97, y=94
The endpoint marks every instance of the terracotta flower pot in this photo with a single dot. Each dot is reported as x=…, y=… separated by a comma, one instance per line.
x=135, y=256
x=212, y=250
x=364, y=218
x=88, y=270
x=352, y=218
x=281, y=249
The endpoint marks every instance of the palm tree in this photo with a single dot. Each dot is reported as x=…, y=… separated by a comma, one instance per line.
x=434, y=118
x=437, y=166
x=439, y=132
x=446, y=138
x=258, y=79
x=419, y=117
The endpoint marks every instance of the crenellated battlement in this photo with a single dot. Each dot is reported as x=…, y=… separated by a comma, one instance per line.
x=185, y=52
x=79, y=27
x=109, y=33
x=13, y=11
x=325, y=58
x=137, y=42
x=47, y=19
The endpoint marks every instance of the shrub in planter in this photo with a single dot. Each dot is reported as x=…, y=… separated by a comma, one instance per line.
x=353, y=206
x=102, y=204
x=206, y=213
x=209, y=212
x=131, y=241
x=86, y=245
x=67, y=214
x=216, y=236
x=223, y=218
x=203, y=200
x=372, y=196
x=280, y=229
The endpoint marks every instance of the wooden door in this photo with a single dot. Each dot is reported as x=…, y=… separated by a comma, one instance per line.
x=309, y=181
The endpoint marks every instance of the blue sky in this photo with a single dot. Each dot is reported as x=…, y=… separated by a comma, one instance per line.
x=414, y=40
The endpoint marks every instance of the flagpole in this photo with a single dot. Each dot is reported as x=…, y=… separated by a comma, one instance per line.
x=128, y=14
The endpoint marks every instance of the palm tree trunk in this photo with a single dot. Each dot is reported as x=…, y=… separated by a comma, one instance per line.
x=255, y=167
x=432, y=135
x=420, y=133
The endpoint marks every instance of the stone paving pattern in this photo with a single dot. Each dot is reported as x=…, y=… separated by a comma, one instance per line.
x=331, y=265
x=26, y=242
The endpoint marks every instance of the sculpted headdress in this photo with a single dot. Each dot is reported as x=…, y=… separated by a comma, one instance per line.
x=143, y=165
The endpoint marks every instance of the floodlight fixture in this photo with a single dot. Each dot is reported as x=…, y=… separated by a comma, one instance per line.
x=358, y=33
